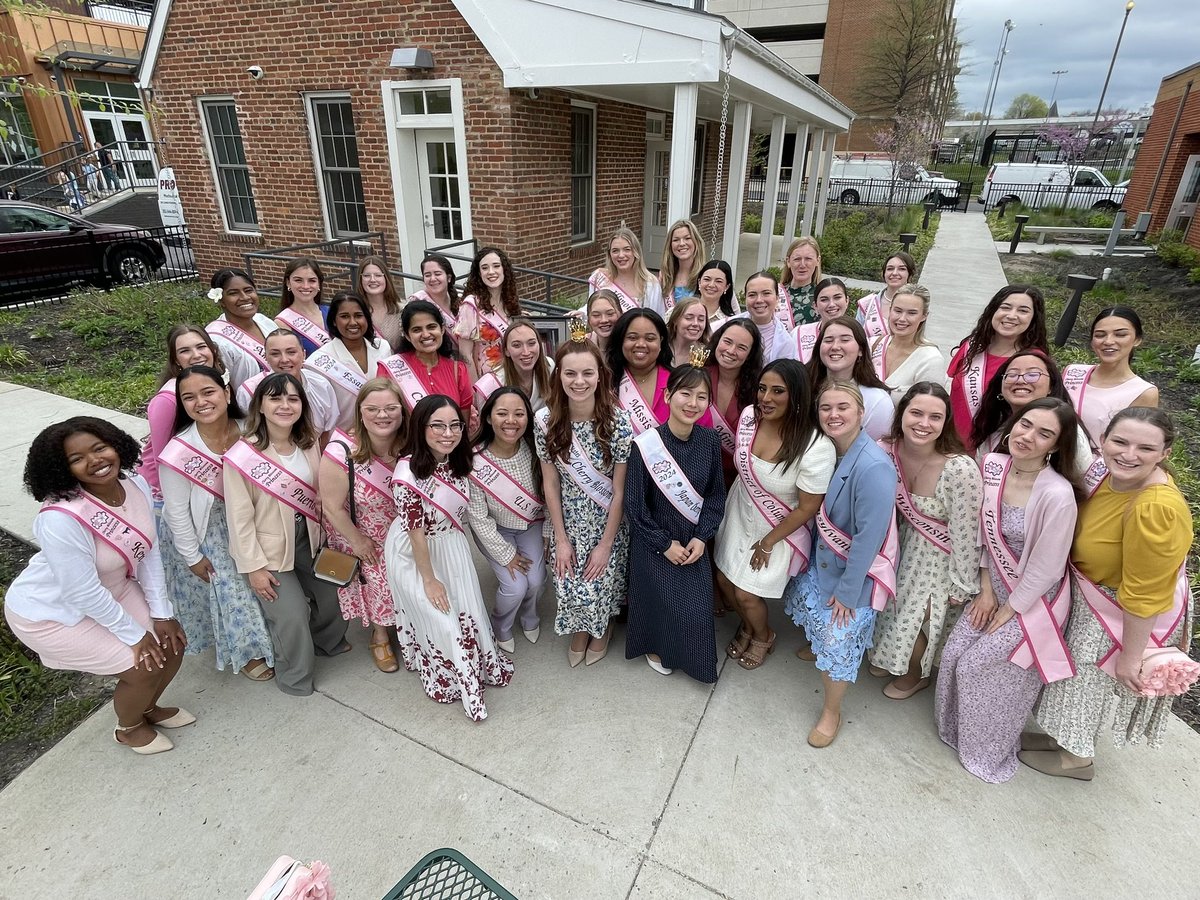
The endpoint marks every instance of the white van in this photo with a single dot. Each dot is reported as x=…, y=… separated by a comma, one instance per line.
x=872, y=181
x=1040, y=185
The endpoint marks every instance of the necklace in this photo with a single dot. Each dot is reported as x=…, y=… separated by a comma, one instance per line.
x=1028, y=471
x=118, y=493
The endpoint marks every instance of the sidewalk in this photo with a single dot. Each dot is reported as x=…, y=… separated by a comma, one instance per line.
x=607, y=781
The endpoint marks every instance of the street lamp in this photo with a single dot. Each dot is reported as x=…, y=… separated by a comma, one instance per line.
x=1057, y=73
x=1112, y=62
x=989, y=96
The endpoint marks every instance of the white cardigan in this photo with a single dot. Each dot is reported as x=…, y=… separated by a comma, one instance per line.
x=376, y=352
x=185, y=505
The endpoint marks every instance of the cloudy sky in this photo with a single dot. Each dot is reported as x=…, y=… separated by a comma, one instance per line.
x=1162, y=37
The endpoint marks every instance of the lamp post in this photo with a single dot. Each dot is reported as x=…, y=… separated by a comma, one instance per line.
x=1112, y=62
x=989, y=96
x=1057, y=73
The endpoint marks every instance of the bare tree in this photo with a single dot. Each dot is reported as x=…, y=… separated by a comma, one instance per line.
x=906, y=142
x=1073, y=143
x=906, y=61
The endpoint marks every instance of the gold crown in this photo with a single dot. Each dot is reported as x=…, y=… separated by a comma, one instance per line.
x=579, y=331
x=698, y=356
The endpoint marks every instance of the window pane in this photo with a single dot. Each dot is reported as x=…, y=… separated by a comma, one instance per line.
x=438, y=101
x=582, y=178
x=337, y=159
x=229, y=157
x=412, y=103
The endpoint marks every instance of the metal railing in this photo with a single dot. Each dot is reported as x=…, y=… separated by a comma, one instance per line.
x=575, y=296
x=867, y=192
x=75, y=183
x=1047, y=196
x=338, y=259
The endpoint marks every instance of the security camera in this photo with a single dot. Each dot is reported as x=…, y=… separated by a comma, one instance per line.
x=256, y=72
x=534, y=93
x=20, y=79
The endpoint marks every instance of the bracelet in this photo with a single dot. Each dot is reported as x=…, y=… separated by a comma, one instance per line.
x=758, y=547
x=167, y=619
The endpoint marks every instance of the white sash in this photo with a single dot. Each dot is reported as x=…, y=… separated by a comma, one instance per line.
x=770, y=507
x=1043, y=645
x=241, y=339
x=633, y=401
x=274, y=479
x=397, y=368
x=879, y=356
x=594, y=483
x=487, y=385
x=505, y=490
x=303, y=325
x=668, y=477
x=338, y=373
x=197, y=464
x=375, y=474
x=448, y=498
x=105, y=525
x=806, y=340
x=883, y=566
x=933, y=530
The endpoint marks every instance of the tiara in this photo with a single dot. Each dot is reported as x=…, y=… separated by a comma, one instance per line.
x=579, y=331
x=698, y=356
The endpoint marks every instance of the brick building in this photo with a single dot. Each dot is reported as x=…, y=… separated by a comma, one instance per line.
x=1166, y=177
x=536, y=125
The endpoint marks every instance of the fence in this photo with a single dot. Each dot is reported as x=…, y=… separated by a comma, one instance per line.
x=73, y=183
x=1044, y=196
x=45, y=263
x=851, y=192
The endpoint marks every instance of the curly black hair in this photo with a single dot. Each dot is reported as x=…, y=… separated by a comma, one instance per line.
x=47, y=473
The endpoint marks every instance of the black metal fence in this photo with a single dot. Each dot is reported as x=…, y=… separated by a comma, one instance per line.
x=868, y=192
x=1040, y=195
x=76, y=182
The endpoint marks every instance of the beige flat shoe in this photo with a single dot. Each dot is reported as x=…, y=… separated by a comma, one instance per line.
x=1050, y=762
x=820, y=740
x=160, y=744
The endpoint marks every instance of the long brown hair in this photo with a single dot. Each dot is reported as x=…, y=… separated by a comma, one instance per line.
x=948, y=443
x=981, y=335
x=541, y=369
x=172, y=368
x=391, y=298
x=303, y=435
x=604, y=417
x=863, y=372
x=483, y=294
x=1062, y=457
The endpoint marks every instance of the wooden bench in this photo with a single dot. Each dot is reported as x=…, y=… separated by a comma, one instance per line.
x=1042, y=230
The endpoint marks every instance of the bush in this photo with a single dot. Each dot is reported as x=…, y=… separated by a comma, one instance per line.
x=1194, y=275
x=1178, y=255
x=752, y=223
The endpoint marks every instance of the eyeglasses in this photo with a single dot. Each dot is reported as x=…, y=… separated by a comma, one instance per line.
x=1032, y=377
x=445, y=428
x=374, y=411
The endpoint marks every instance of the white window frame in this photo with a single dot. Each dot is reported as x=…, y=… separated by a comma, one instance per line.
x=212, y=163
x=659, y=131
x=591, y=230
x=314, y=144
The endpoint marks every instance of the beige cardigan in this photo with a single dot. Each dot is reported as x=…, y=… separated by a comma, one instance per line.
x=262, y=531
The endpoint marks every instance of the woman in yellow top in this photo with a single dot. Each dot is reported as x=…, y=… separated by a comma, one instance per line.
x=1131, y=539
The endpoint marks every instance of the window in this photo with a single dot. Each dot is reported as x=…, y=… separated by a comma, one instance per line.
x=424, y=102
x=698, y=172
x=109, y=96
x=583, y=172
x=23, y=220
x=229, y=164
x=336, y=150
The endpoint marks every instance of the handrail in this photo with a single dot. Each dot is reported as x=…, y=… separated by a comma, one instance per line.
x=549, y=277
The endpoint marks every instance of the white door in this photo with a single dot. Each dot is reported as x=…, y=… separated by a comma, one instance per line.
x=440, y=173
x=654, y=212
x=1183, y=209
x=128, y=138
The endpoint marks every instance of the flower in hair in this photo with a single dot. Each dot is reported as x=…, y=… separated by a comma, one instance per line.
x=215, y=294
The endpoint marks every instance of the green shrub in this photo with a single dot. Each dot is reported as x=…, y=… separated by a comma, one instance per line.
x=1194, y=275
x=752, y=223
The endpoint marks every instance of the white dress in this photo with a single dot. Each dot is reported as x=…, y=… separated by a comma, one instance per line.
x=926, y=363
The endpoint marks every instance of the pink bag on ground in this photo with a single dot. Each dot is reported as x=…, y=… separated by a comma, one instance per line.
x=290, y=879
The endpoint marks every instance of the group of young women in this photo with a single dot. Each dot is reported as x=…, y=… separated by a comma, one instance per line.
x=678, y=459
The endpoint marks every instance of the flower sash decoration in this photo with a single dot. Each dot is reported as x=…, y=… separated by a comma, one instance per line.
x=806, y=339
x=303, y=325
x=272, y=478
x=671, y=480
x=771, y=508
x=446, y=496
x=883, y=567
x=396, y=367
x=590, y=480
x=243, y=340
x=505, y=490
x=197, y=464
x=374, y=475
x=633, y=401
x=336, y=372
x=105, y=525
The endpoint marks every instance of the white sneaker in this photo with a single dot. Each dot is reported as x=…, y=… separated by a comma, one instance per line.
x=507, y=646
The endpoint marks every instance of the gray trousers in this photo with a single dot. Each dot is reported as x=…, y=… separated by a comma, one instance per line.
x=303, y=618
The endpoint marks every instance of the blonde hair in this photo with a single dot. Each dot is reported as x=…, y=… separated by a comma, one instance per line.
x=639, y=264
x=670, y=265
x=676, y=316
x=362, y=452
x=792, y=248
x=921, y=292
x=846, y=387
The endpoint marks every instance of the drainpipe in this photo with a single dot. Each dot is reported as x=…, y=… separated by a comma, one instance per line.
x=1162, y=163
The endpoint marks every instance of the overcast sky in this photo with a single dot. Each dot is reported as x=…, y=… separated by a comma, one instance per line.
x=1163, y=36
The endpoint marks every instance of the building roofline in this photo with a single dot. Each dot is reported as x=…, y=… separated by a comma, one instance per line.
x=154, y=38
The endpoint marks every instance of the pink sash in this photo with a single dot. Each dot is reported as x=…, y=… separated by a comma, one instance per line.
x=242, y=339
x=806, y=340
x=375, y=475
x=448, y=318
x=197, y=464
x=338, y=373
x=303, y=325
x=274, y=479
x=770, y=507
x=641, y=415
x=505, y=490
x=974, y=382
x=668, y=477
x=594, y=483
x=447, y=498
x=783, y=311
x=1075, y=379
x=1043, y=645
x=245, y=391
x=487, y=385
x=883, y=566
x=397, y=368
x=724, y=432
x=627, y=303
x=879, y=356
x=874, y=323
x=933, y=530
x=107, y=526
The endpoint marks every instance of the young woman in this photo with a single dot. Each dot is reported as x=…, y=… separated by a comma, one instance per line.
x=831, y=302
x=240, y=331
x=1014, y=319
x=285, y=353
x=735, y=362
x=583, y=443
x=359, y=512
x=674, y=502
x=375, y=285
x=438, y=277
x=853, y=572
x=626, y=275
x=525, y=366
x=1129, y=597
x=215, y=605
x=639, y=358
x=1101, y=391
x=842, y=354
x=300, y=306
x=425, y=361
x=187, y=345
x=714, y=284
x=938, y=495
x=687, y=327
x=762, y=308
x=441, y=621
x=903, y=357
x=603, y=310
x=352, y=356
x=682, y=255
x=92, y=599
x=489, y=303
x=1009, y=639
x=784, y=464
x=801, y=275
x=507, y=512
x=873, y=311
x=271, y=498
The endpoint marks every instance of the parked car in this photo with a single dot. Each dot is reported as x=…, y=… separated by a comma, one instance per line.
x=1039, y=185
x=876, y=181
x=42, y=249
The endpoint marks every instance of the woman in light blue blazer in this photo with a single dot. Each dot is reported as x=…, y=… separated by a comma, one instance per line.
x=853, y=570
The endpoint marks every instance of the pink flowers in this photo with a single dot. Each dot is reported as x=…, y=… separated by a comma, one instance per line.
x=1167, y=672
x=312, y=883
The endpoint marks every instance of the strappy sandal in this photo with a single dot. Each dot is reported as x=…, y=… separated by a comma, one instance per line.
x=756, y=653
x=385, y=661
x=738, y=645
x=260, y=671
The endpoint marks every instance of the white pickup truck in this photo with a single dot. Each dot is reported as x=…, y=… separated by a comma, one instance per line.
x=1042, y=185
x=874, y=181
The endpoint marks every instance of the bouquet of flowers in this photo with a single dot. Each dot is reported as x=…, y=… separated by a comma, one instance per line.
x=290, y=879
x=1167, y=672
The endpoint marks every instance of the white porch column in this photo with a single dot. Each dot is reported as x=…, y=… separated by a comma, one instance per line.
x=810, y=194
x=793, y=204
x=683, y=152
x=826, y=168
x=737, y=147
x=771, y=194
